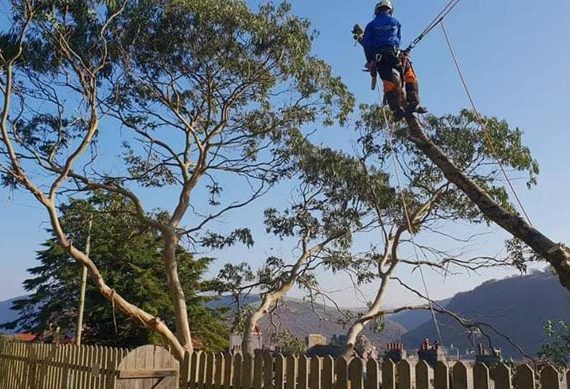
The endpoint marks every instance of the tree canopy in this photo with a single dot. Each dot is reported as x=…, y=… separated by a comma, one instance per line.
x=205, y=94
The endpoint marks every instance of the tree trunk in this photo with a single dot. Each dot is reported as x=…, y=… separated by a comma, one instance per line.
x=147, y=320
x=251, y=324
x=176, y=291
x=356, y=328
x=83, y=287
x=556, y=254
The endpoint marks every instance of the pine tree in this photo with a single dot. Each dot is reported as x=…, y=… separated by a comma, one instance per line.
x=129, y=255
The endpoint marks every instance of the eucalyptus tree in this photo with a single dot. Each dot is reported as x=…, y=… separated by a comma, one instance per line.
x=317, y=230
x=422, y=200
x=142, y=98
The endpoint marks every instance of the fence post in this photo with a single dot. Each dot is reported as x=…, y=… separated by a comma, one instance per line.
x=185, y=370
x=220, y=370
x=372, y=374
x=247, y=371
x=267, y=371
x=328, y=372
x=524, y=377
x=257, y=371
x=441, y=374
x=355, y=370
x=210, y=366
x=460, y=376
x=291, y=382
x=228, y=370
x=315, y=373
x=405, y=375
x=201, y=373
x=341, y=369
x=481, y=376
x=303, y=381
x=388, y=374
x=423, y=375
x=502, y=377
x=279, y=372
x=549, y=378
x=237, y=370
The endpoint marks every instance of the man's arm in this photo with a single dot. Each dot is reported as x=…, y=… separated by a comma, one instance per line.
x=399, y=31
x=367, y=43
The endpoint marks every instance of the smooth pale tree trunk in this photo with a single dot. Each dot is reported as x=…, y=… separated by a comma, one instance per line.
x=268, y=300
x=83, y=286
x=272, y=297
x=356, y=328
x=558, y=255
x=176, y=291
x=390, y=260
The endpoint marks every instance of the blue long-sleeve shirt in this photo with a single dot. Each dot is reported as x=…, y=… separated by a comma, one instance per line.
x=383, y=31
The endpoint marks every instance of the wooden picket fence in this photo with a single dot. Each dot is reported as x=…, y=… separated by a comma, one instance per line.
x=31, y=365
x=36, y=366
x=224, y=371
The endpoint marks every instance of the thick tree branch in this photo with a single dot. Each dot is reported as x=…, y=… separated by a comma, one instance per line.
x=558, y=255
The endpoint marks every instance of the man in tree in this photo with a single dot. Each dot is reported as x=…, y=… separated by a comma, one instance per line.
x=381, y=42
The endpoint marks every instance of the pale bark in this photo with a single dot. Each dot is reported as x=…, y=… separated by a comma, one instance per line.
x=390, y=260
x=83, y=287
x=48, y=201
x=147, y=320
x=274, y=296
x=269, y=299
x=176, y=291
x=558, y=255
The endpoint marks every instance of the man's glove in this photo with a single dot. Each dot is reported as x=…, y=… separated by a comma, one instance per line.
x=357, y=32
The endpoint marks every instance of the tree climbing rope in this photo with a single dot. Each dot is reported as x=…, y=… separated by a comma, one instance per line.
x=409, y=221
x=482, y=122
x=437, y=20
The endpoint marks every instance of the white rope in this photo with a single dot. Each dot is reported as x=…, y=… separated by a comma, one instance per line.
x=409, y=222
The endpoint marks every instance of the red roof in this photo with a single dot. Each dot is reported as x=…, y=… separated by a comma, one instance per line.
x=26, y=337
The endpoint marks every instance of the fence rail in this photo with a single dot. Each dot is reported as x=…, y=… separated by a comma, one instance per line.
x=41, y=366
x=223, y=371
x=47, y=366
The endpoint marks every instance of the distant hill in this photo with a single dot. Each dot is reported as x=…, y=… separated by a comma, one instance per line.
x=302, y=319
x=410, y=320
x=6, y=313
x=517, y=307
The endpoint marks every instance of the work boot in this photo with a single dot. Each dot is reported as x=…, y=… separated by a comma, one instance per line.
x=393, y=99
x=413, y=98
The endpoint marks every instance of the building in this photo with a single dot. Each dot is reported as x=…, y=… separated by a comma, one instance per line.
x=395, y=352
x=256, y=339
x=431, y=353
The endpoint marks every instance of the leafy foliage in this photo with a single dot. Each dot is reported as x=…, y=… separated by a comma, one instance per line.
x=288, y=344
x=128, y=254
x=197, y=90
x=556, y=347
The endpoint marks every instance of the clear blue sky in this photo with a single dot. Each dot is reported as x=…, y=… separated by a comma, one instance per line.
x=515, y=56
